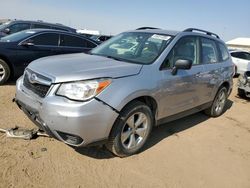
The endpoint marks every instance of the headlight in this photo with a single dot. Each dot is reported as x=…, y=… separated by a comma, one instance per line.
x=83, y=90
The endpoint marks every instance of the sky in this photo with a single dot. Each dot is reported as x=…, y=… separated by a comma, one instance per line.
x=227, y=18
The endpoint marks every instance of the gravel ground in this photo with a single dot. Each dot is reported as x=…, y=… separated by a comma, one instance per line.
x=195, y=151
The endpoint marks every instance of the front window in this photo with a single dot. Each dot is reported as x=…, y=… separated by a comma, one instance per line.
x=47, y=39
x=135, y=47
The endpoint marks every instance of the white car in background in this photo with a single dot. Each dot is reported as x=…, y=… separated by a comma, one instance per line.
x=241, y=59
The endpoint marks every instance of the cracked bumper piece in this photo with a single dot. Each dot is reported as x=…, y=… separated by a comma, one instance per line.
x=75, y=123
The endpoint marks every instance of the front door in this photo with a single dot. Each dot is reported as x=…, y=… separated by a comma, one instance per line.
x=41, y=45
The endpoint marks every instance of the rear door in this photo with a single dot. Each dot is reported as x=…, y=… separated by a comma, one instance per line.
x=213, y=68
x=181, y=92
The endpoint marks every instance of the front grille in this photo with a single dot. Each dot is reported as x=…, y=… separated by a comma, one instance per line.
x=38, y=88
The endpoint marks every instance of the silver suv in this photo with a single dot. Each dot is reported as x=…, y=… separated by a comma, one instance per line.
x=137, y=80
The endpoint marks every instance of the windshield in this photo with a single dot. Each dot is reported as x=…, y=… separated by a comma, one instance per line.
x=135, y=47
x=17, y=36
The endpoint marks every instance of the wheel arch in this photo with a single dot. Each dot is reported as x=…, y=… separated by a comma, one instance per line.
x=147, y=100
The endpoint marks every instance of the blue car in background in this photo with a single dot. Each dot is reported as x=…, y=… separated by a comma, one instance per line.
x=19, y=49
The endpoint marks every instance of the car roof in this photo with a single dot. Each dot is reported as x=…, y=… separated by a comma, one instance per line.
x=191, y=31
x=43, y=23
x=37, y=31
x=157, y=31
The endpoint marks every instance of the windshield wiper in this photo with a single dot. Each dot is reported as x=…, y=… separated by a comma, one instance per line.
x=115, y=58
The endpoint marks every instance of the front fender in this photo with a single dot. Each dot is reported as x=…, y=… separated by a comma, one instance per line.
x=123, y=90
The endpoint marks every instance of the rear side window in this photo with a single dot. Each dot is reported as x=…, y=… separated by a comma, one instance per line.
x=46, y=39
x=72, y=41
x=209, y=53
x=224, y=52
x=19, y=27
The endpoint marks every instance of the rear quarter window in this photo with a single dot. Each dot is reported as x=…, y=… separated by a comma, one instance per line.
x=223, y=52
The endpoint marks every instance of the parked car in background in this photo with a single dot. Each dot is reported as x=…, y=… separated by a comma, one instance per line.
x=115, y=97
x=15, y=26
x=244, y=85
x=100, y=38
x=241, y=60
x=19, y=49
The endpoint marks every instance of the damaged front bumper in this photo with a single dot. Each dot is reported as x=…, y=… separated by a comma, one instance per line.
x=244, y=83
x=75, y=123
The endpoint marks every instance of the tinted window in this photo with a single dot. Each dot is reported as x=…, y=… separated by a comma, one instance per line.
x=224, y=52
x=41, y=26
x=208, y=51
x=185, y=48
x=241, y=55
x=72, y=41
x=235, y=54
x=19, y=27
x=48, y=39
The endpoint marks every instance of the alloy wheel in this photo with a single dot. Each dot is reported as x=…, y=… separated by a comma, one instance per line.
x=134, y=131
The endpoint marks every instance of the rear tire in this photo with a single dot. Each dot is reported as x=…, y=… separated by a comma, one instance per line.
x=131, y=130
x=218, y=106
x=4, y=72
x=241, y=93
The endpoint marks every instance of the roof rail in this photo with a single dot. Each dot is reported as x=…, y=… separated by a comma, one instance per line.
x=203, y=31
x=142, y=28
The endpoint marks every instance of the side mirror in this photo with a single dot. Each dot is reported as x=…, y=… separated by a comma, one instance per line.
x=6, y=31
x=185, y=64
x=27, y=44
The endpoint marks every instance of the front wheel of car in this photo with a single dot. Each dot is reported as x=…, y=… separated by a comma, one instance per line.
x=4, y=72
x=131, y=130
x=218, y=106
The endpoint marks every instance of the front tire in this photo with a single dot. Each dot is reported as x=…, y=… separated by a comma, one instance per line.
x=218, y=106
x=131, y=130
x=4, y=72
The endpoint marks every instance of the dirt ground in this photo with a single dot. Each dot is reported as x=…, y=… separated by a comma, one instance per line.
x=195, y=151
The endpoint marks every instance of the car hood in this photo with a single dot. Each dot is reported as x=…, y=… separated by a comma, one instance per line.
x=74, y=67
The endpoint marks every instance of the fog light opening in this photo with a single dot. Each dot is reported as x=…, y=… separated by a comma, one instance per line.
x=70, y=138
